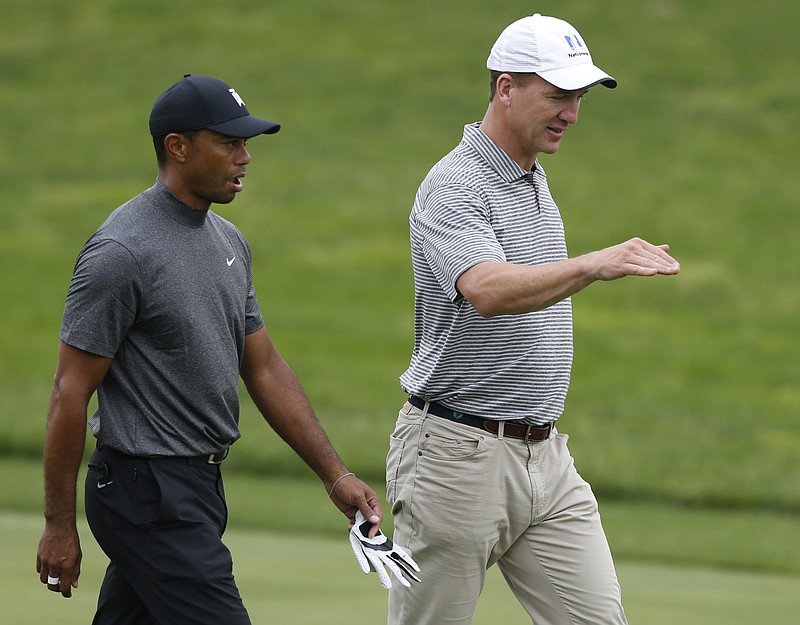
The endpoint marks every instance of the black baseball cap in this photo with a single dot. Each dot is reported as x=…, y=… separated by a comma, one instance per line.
x=204, y=102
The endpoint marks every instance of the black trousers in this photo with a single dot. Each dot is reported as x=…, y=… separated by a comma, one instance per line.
x=160, y=522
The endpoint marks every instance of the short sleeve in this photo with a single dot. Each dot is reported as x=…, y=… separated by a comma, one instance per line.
x=103, y=298
x=456, y=231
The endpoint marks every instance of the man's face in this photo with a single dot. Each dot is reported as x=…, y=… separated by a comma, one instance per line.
x=540, y=114
x=215, y=166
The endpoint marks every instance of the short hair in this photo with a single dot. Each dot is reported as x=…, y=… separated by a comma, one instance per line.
x=161, y=150
x=494, y=74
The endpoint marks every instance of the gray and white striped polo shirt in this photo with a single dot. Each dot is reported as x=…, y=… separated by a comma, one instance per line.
x=476, y=205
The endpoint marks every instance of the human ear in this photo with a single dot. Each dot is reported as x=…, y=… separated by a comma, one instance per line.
x=505, y=82
x=176, y=146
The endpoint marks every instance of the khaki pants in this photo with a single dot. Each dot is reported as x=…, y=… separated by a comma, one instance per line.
x=464, y=500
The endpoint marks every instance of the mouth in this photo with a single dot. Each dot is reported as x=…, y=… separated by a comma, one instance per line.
x=237, y=182
x=558, y=132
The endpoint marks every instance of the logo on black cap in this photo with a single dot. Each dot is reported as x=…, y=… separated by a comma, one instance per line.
x=204, y=102
x=236, y=97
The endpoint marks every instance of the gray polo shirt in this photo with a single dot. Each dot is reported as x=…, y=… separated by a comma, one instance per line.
x=166, y=292
x=478, y=205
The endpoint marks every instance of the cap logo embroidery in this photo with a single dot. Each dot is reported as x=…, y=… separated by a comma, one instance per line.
x=238, y=98
x=576, y=45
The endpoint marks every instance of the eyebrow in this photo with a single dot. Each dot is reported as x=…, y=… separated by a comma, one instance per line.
x=559, y=91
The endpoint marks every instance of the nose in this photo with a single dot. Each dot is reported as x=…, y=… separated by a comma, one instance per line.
x=570, y=112
x=242, y=155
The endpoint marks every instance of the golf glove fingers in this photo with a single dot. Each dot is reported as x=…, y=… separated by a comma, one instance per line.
x=380, y=553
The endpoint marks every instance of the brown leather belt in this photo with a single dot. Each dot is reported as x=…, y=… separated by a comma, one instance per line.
x=512, y=429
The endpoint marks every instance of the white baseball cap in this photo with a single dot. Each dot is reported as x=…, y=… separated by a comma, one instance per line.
x=549, y=47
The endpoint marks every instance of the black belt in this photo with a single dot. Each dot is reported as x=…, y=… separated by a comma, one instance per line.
x=215, y=458
x=512, y=429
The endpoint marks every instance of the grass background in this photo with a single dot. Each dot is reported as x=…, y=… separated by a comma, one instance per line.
x=311, y=566
x=684, y=402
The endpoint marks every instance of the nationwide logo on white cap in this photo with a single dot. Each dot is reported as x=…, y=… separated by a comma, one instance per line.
x=549, y=47
x=576, y=45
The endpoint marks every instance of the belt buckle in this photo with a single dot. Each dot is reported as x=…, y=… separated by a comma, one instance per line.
x=527, y=437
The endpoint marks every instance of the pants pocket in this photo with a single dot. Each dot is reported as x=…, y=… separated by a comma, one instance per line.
x=393, y=458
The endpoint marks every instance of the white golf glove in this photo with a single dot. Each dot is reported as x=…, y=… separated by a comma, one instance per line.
x=373, y=554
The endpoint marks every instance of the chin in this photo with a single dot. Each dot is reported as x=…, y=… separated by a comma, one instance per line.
x=224, y=199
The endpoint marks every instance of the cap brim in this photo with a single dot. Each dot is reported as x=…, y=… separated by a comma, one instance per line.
x=245, y=127
x=578, y=77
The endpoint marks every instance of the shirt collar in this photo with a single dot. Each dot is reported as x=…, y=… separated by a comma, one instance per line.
x=505, y=166
x=177, y=210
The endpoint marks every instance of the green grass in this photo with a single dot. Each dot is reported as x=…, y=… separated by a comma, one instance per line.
x=684, y=401
x=311, y=580
x=643, y=531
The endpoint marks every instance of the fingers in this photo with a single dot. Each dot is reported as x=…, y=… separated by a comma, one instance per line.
x=373, y=519
x=395, y=570
x=407, y=565
x=661, y=258
x=382, y=556
x=645, y=259
x=401, y=568
x=352, y=494
x=401, y=555
x=358, y=551
x=374, y=516
x=55, y=583
x=664, y=266
x=383, y=576
x=58, y=559
x=367, y=504
x=650, y=265
x=58, y=575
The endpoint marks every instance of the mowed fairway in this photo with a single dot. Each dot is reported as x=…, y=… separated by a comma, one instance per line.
x=684, y=400
x=313, y=580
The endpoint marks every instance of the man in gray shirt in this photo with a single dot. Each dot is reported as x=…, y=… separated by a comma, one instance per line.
x=161, y=319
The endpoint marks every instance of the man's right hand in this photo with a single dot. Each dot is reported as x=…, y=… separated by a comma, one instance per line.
x=58, y=560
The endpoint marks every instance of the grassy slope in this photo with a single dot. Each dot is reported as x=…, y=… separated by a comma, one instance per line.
x=684, y=390
x=315, y=579
x=639, y=531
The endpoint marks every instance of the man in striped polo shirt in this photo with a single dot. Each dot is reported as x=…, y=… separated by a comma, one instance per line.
x=477, y=474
